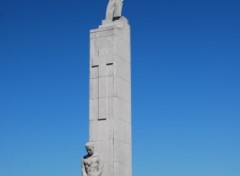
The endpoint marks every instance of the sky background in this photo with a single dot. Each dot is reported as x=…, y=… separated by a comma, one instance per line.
x=185, y=86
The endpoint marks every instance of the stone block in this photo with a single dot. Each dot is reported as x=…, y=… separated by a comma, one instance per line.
x=122, y=49
x=110, y=71
x=102, y=47
x=123, y=32
x=94, y=72
x=122, y=109
x=102, y=87
x=93, y=130
x=122, y=152
x=123, y=69
x=93, y=110
x=101, y=130
x=110, y=107
x=94, y=89
x=110, y=86
x=97, y=33
x=122, y=131
x=102, y=108
x=122, y=89
x=122, y=169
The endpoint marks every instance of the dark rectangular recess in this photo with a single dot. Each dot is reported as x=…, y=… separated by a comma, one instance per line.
x=102, y=119
x=109, y=64
x=94, y=66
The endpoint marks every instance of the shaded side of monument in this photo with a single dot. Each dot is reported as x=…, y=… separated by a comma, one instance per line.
x=110, y=96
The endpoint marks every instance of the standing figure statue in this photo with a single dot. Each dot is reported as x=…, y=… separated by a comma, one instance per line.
x=91, y=163
x=114, y=10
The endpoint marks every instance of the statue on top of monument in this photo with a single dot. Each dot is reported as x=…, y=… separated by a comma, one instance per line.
x=91, y=163
x=114, y=10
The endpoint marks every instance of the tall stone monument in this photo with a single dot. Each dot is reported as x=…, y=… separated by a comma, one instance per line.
x=110, y=95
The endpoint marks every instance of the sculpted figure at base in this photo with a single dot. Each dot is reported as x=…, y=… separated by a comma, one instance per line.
x=114, y=10
x=91, y=163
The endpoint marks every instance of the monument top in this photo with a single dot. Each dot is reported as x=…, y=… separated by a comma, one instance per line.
x=114, y=10
x=119, y=23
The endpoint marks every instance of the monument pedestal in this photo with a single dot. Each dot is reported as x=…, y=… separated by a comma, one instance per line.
x=110, y=96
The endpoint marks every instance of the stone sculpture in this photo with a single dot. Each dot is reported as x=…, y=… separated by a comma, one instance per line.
x=114, y=10
x=91, y=163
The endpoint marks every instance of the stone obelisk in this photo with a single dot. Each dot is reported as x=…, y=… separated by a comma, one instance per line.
x=110, y=92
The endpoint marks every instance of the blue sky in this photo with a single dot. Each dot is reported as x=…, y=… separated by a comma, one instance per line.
x=185, y=86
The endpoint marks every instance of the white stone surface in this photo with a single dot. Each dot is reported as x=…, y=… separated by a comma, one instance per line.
x=93, y=109
x=122, y=110
x=123, y=69
x=94, y=88
x=118, y=169
x=110, y=96
x=122, y=89
x=122, y=131
x=122, y=151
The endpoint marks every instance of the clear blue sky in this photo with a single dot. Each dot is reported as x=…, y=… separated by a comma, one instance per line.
x=185, y=86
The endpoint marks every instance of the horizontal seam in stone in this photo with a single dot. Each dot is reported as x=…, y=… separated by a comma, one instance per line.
x=120, y=77
x=113, y=56
x=112, y=118
x=106, y=140
x=102, y=36
x=126, y=101
x=100, y=30
x=123, y=142
x=112, y=76
x=125, y=121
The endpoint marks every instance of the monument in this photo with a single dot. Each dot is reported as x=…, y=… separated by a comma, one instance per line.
x=110, y=97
